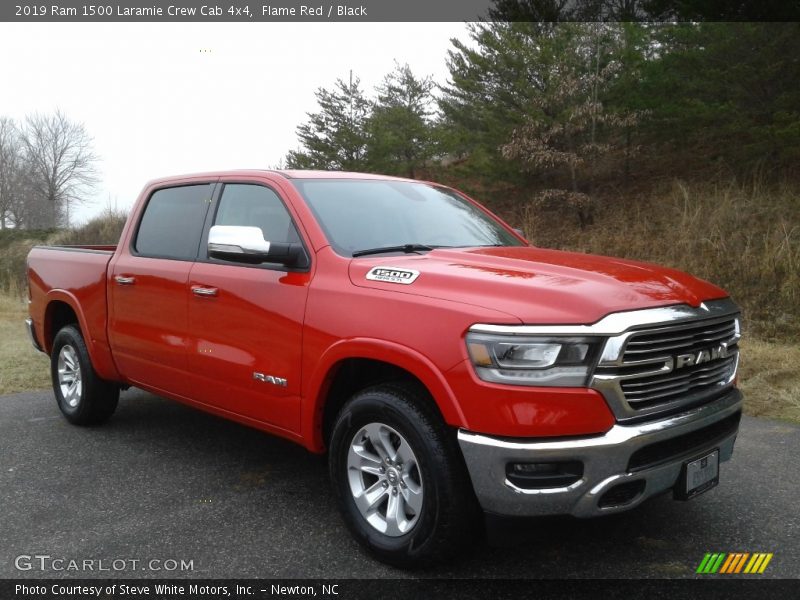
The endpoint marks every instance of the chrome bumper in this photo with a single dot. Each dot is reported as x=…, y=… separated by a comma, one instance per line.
x=605, y=461
x=32, y=334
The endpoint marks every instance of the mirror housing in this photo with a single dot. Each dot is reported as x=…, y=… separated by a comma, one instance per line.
x=244, y=244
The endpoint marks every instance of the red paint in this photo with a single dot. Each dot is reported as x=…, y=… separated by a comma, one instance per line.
x=157, y=334
x=545, y=411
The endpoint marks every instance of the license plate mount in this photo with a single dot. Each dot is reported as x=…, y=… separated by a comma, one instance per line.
x=697, y=476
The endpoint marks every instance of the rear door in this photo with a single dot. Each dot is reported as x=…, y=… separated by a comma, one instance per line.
x=149, y=294
x=247, y=320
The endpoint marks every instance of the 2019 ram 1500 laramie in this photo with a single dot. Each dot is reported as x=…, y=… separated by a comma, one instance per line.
x=443, y=363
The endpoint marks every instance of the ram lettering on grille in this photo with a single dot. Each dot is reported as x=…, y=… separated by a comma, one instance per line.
x=703, y=356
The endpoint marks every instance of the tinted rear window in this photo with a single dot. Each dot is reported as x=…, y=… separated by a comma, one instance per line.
x=172, y=223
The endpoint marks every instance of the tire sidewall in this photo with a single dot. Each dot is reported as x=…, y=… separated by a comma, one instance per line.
x=376, y=408
x=70, y=336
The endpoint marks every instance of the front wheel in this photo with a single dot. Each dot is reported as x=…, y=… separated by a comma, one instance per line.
x=399, y=478
x=83, y=398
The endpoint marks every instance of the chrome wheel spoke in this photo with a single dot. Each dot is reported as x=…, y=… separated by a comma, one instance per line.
x=395, y=517
x=372, y=469
x=405, y=455
x=65, y=376
x=412, y=495
x=384, y=440
x=372, y=433
x=369, y=500
x=362, y=459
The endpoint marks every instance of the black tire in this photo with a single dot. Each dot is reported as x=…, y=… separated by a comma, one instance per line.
x=93, y=400
x=449, y=515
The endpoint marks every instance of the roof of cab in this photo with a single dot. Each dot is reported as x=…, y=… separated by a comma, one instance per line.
x=309, y=174
x=286, y=173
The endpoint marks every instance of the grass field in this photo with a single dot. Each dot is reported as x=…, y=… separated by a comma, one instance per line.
x=769, y=376
x=743, y=238
x=21, y=367
x=770, y=379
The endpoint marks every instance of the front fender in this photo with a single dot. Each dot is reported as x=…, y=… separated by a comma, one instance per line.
x=373, y=349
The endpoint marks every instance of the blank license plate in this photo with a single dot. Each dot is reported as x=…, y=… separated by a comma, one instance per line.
x=698, y=476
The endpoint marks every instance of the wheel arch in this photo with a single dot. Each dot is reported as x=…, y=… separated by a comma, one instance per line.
x=57, y=315
x=63, y=309
x=353, y=364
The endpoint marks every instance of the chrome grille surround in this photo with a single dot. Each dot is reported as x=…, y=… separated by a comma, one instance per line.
x=637, y=372
x=627, y=378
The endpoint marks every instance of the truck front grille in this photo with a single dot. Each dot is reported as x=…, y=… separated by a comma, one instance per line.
x=647, y=391
x=667, y=368
x=678, y=340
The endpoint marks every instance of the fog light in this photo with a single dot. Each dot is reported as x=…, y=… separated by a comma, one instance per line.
x=534, y=468
x=622, y=494
x=543, y=475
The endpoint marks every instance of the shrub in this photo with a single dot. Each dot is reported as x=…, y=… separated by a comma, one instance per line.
x=16, y=244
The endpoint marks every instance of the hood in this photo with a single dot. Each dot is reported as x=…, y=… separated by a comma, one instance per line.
x=536, y=285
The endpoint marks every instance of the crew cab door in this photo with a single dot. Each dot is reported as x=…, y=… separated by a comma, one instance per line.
x=247, y=320
x=148, y=289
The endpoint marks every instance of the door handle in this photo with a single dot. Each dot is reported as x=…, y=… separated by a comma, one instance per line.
x=124, y=280
x=204, y=292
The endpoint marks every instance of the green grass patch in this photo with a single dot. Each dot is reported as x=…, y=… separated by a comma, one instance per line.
x=21, y=367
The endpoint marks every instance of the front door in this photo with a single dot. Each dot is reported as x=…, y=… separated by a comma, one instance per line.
x=247, y=320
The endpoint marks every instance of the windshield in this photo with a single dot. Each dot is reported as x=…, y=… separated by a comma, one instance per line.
x=365, y=214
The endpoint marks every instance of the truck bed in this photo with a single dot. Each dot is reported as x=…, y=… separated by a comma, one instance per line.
x=76, y=276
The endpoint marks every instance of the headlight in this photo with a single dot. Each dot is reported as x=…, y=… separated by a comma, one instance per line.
x=545, y=361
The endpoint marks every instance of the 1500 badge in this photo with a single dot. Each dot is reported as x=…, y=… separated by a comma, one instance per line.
x=392, y=275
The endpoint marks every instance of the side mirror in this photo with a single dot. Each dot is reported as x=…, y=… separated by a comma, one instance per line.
x=247, y=245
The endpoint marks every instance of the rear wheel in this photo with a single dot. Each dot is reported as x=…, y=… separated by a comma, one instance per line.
x=82, y=396
x=399, y=478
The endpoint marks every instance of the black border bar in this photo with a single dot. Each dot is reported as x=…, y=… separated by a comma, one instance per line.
x=706, y=587
x=106, y=11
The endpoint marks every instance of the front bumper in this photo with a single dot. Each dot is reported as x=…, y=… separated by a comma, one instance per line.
x=649, y=456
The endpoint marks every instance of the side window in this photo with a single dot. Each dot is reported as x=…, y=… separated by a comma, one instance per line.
x=256, y=206
x=172, y=223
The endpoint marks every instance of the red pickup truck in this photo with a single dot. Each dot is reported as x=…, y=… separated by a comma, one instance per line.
x=444, y=364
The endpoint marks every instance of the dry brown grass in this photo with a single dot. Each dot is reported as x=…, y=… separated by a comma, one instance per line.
x=21, y=367
x=769, y=376
x=744, y=238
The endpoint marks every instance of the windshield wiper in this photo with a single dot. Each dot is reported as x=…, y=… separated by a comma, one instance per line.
x=407, y=248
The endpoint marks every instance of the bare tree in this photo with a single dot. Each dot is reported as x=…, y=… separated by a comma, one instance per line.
x=61, y=165
x=7, y=162
x=11, y=173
